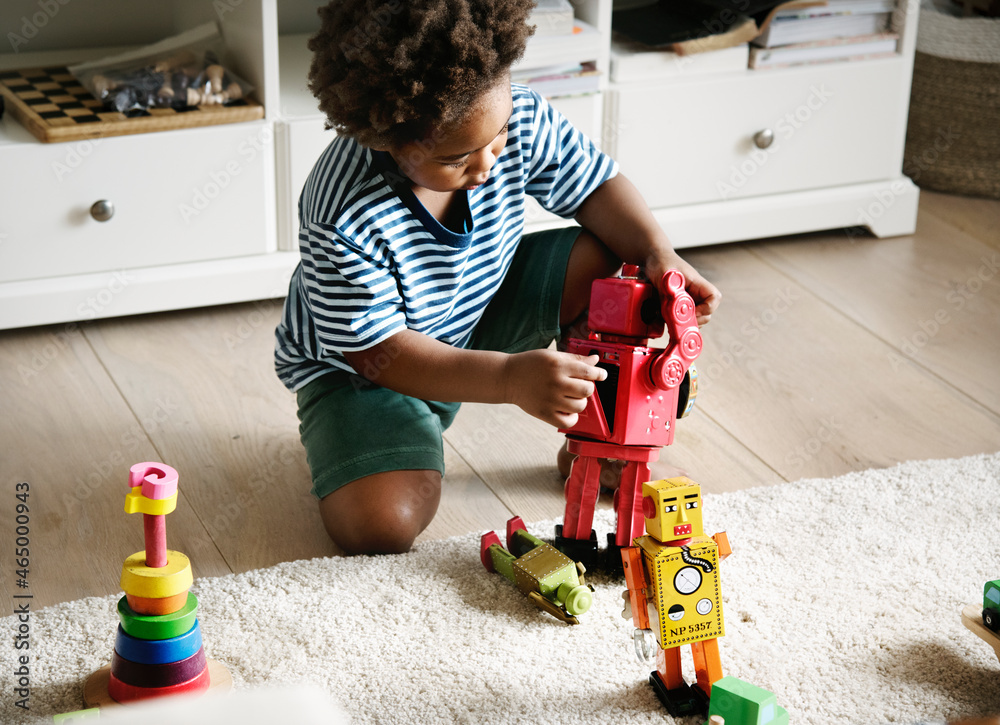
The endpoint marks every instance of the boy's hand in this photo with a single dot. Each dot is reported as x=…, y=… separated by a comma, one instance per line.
x=706, y=295
x=551, y=385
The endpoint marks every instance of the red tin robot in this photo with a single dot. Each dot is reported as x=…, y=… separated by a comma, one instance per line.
x=632, y=413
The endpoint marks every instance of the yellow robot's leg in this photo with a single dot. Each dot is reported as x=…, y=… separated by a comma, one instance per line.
x=707, y=663
x=677, y=696
x=668, y=666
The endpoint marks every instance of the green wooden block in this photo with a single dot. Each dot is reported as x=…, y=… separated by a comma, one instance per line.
x=93, y=713
x=740, y=703
x=155, y=627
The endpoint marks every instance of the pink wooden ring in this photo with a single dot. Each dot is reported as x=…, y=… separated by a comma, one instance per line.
x=158, y=480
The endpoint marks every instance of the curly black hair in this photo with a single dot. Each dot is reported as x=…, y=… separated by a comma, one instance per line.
x=387, y=72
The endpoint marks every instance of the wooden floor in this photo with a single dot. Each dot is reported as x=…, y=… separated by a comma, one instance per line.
x=830, y=353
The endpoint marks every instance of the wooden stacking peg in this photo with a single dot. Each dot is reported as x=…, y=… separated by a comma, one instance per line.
x=157, y=484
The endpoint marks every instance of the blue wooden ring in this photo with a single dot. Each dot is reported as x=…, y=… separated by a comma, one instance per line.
x=165, y=675
x=162, y=626
x=158, y=651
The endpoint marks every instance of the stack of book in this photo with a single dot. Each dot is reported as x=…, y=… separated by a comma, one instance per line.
x=558, y=36
x=818, y=32
x=560, y=80
x=552, y=17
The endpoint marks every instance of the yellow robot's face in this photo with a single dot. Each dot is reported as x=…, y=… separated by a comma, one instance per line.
x=672, y=508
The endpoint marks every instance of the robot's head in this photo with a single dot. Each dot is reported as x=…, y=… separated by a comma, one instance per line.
x=672, y=508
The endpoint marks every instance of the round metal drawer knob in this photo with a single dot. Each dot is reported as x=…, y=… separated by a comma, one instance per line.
x=102, y=210
x=763, y=139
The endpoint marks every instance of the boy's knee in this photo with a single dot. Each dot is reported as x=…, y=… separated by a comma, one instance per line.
x=384, y=515
x=589, y=259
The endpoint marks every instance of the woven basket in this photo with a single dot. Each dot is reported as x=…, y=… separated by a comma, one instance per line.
x=953, y=134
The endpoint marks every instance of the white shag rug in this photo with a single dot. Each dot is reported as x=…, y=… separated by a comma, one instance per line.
x=842, y=597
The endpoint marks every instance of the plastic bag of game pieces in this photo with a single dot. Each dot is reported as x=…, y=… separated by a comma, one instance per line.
x=180, y=71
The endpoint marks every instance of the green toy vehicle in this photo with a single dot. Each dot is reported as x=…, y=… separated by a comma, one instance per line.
x=991, y=605
x=740, y=703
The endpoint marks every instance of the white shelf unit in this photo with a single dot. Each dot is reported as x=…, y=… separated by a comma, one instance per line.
x=687, y=137
x=194, y=209
x=208, y=215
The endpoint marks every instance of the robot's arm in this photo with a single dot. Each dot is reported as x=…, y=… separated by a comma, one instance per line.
x=722, y=541
x=678, y=311
x=635, y=580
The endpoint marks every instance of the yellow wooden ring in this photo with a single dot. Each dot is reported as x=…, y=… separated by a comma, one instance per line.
x=140, y=580
x=135, y=502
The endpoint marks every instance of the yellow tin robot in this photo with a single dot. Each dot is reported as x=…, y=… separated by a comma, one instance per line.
x=672, y=574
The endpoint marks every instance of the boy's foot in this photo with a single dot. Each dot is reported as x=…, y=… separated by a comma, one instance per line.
x=564, y=460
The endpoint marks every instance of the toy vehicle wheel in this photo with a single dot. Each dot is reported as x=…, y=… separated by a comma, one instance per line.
x=991, y=618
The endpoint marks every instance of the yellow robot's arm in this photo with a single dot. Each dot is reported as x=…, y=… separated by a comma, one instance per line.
x=635, y=580
x=722, y=541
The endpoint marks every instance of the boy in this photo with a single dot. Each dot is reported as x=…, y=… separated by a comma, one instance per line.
x=416, y=291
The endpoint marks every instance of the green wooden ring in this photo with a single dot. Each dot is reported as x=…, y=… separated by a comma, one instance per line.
x=163, y=626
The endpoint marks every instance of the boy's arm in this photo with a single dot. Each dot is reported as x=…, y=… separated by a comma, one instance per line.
x=550, y=385
x=618, y=215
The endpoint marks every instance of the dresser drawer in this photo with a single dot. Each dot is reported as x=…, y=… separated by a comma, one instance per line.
x=177, y=196
x=684, y=141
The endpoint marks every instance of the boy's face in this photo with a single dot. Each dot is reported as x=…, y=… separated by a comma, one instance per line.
x=462, y=157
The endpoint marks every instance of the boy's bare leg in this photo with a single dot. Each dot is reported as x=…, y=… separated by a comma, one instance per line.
x=382, y=513
x=588, y=260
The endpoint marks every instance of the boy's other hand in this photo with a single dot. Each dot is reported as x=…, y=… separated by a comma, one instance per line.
x=551, y=385
x=706, y=295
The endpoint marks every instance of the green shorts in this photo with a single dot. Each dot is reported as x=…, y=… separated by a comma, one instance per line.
x=352, y=428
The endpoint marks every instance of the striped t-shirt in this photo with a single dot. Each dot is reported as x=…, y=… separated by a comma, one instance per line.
x=375, y=262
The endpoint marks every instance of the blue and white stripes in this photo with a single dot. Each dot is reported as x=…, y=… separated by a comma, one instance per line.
x=374, y=261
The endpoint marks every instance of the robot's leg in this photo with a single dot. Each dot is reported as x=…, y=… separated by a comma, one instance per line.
x=678, y=697
x=576, y=537
x=628, y=503
x=707, y=664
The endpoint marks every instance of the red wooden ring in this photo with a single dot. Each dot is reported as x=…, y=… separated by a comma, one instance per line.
x=163, y=675
x=122, y=692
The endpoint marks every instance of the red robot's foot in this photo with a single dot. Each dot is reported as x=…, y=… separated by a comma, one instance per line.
x=583, y=550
